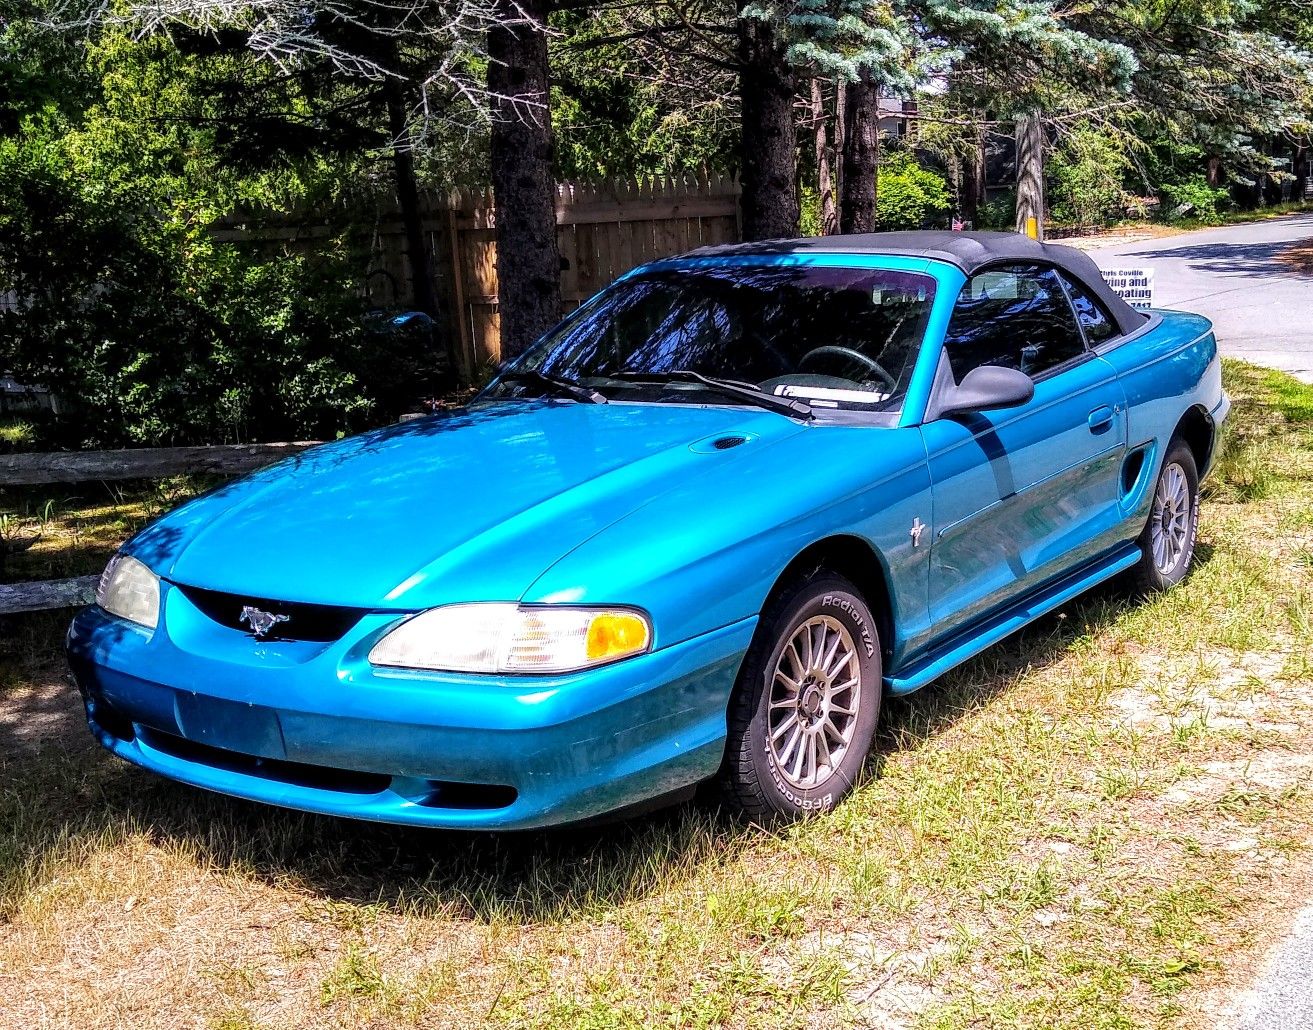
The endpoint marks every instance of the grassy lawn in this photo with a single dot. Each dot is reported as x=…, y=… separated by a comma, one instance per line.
x=1099, y=823
x=1089, y=237
x=72, y=529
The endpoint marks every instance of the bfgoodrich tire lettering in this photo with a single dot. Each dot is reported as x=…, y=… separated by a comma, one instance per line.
x=806, y=704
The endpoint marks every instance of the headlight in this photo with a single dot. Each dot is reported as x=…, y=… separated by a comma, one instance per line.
x=505, y=638
x=130, y=590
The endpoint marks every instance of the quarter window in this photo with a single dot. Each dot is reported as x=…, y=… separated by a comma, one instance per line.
x=1017, y=317
x=1093, y=317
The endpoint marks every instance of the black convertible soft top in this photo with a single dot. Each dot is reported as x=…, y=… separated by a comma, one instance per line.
x=969, y=251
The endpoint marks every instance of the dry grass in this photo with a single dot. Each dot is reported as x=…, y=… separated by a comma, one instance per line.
x=1098, y=824
x=72, y=529
x=1116, y=235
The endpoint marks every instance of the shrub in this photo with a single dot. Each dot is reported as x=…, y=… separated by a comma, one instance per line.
x=999, y=213
x=1203, y=200
x=909, y=196
x=155, y=333
x=1085, y=173
x=809, y=222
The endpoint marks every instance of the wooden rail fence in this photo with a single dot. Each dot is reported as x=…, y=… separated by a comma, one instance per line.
x=105, y=466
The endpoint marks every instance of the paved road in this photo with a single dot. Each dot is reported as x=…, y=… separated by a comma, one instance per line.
x=1283, y=996
x=1263, y=311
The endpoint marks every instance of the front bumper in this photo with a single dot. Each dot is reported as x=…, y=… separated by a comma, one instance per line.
x=313, y=726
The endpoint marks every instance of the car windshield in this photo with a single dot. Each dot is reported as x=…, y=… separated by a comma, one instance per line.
x=832, y=338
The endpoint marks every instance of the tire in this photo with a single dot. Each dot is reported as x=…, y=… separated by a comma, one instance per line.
x=835, y=709
x=1168, y=540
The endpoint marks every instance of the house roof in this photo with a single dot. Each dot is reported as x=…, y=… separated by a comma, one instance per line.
x=969, y=251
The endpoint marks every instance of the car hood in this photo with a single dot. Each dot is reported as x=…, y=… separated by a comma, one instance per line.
x=474, y=505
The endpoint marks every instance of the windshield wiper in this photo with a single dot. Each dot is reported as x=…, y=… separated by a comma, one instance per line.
x=730, y=388
x=569, y=387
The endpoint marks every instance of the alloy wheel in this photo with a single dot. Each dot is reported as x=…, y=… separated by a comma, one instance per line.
x=1169, y=524
x=815, y=695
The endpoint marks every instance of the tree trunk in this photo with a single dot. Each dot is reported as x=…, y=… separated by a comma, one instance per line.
x=973, y=181
x=403, y=167
x=528, y=258
x=768, y=142
x=861, y=156
x=824, y=177
x=840, y=136
x=1030, y=175
x=1214, y=172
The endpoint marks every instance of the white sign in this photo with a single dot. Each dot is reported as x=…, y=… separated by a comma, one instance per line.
x=1133, y=285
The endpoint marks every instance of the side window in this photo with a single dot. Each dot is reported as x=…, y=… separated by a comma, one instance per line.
x=1093, y=317
x=1017, y=317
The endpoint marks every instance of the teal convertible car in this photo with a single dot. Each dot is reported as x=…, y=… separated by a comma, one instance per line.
x=694, y=535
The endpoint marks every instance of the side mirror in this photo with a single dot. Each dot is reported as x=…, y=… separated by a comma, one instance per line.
x=988, y=388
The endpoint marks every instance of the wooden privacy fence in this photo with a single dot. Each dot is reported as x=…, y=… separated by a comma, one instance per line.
x=104, y=466
x=603, y=230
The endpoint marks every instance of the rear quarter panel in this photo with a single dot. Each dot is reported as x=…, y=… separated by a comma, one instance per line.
x=1169, y=367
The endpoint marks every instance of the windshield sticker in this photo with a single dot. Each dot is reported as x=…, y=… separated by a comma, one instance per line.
x=823, y=393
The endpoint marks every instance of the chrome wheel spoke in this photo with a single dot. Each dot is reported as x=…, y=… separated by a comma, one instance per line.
x=826, y=662
x=800, y=759
x=794, y=739
x=799, y=670
x=832, y=669
x=791, y=684
x=783, y=727
x=823, y=746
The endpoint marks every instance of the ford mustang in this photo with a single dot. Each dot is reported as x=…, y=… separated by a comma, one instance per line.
x=694, y=535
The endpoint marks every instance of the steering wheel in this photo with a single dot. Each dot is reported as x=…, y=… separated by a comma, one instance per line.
x=857, y=355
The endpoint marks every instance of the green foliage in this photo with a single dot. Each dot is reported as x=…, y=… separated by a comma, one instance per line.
x=1204, y=201
x=1085, y=174
x=612, y=117
x=157, y=334
x=809, y=222
x=909, y=196
x=999, y=212
x=126, y=304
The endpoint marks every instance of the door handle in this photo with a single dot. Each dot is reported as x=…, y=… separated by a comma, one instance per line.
x=1101, y=418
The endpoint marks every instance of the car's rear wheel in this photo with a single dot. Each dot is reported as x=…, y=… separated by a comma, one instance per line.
x=806, y=704
x=1168, y=541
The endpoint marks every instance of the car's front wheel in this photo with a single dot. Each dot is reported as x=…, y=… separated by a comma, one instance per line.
x=806, y=704
x=1167, y=543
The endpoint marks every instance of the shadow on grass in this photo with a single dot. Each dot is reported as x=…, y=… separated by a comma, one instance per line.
x=59, y=798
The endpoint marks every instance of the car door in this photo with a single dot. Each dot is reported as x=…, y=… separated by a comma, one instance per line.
x=1022, y=494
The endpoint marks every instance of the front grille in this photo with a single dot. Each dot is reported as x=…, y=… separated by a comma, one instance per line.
x=313, y=622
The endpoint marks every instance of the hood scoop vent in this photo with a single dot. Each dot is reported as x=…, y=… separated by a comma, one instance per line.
x=721, y=442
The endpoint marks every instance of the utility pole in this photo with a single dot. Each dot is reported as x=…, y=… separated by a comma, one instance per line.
x=1030, y=175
